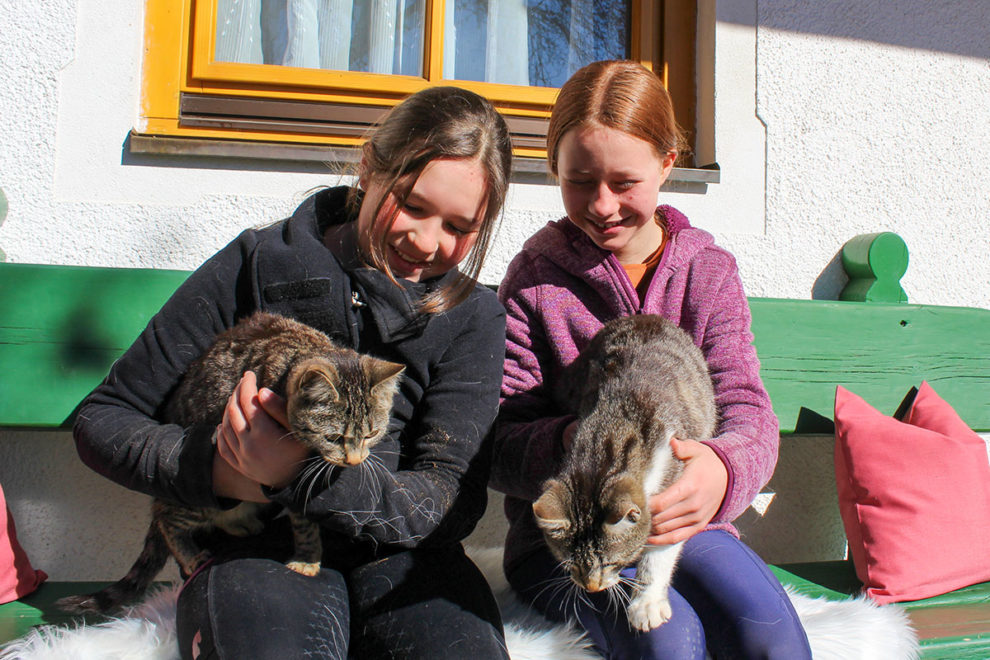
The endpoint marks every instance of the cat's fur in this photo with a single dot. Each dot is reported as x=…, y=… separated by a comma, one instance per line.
x=640, y=382
x=339, y=403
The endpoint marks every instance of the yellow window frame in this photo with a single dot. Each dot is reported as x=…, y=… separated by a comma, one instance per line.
x=179, y=61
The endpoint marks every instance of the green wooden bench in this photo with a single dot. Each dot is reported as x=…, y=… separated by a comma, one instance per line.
x=61, y=328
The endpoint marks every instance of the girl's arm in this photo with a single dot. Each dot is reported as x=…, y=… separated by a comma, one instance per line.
x=724, y=475
x=116, y=432
x=748, y=434
x=528, y=446
x=438, y=493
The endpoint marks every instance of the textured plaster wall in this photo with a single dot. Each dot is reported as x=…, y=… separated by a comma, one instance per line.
x=878, y=119
x=827, y=119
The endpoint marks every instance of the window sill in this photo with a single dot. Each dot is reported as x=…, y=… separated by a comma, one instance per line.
x=524, y=169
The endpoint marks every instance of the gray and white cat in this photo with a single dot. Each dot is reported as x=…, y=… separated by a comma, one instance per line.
x=339, y=403
x=640, y=382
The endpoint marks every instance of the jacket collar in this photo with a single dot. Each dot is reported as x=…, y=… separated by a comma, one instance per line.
x=392, y=307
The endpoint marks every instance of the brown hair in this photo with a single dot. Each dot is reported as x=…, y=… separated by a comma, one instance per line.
x=618, y=94
x=439, y=122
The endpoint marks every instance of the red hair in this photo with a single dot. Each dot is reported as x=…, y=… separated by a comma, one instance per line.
x=618, y=94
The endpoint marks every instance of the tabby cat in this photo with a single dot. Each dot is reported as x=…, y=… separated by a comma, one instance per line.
x=339, y=403
x=640, y=382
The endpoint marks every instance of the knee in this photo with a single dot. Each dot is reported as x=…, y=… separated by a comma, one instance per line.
x=682, y=637
x=783, y=639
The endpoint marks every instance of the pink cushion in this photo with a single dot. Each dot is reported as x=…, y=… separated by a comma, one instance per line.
x=914, y=497
x=17, y=578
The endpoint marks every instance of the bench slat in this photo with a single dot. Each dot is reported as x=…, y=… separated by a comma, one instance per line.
x=61, y=327
x=877, y=350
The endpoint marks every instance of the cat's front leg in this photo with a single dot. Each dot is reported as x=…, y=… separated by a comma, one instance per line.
x=308, y=548
x=178, y=534
x=650, y=606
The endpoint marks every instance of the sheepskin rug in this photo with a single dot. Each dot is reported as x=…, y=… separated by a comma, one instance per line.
x=838, y=630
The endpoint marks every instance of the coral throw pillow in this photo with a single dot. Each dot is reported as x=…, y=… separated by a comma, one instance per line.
x=17, y=578
x=914, y=496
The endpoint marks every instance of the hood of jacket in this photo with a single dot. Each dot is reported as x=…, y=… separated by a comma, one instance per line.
x=564, y=244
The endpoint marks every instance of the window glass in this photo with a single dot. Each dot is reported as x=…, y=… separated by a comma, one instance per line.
x=514, y=42
x=370, y=36
x=531, y=42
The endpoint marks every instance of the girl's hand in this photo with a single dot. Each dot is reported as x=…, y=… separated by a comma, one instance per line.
x=253, y=437
x=689, y=504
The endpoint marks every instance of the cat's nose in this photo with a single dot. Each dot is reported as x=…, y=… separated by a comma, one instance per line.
x=590, y=583
x=594, y=585
x=355, y=457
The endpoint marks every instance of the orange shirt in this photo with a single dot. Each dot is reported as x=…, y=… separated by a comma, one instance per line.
x=641, y=274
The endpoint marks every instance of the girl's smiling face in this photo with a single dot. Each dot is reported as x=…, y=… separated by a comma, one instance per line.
x=609, y=181
x=435, y=227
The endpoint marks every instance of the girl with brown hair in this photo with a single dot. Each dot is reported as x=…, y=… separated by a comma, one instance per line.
x=376, y=268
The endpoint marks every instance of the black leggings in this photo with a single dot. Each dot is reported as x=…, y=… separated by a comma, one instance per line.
x=418, y=604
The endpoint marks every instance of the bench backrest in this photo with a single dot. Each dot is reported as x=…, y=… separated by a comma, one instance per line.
x=61, y=327
x=877, y=350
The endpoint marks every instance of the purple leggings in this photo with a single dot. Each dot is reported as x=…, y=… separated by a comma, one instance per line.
x=723, y=596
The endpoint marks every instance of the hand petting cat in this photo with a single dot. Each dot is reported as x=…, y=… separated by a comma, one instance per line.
x=253, y=440
x=690, y=503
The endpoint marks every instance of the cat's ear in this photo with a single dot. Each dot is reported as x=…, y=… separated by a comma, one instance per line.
x=549, y=510
x=621, y=508
x=381, y=372
x=622, y=513
x=316, y=377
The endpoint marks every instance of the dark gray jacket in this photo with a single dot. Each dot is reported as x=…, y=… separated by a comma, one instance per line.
x=434, y=491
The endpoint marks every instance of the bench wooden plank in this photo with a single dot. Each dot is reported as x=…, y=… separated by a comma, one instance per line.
x=61, y=327
x=877, y=350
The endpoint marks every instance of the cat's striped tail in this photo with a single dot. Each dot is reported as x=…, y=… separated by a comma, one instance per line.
x=127, y=589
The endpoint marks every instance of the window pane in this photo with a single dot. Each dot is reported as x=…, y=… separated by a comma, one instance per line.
x=376, y=36
x=531, y=42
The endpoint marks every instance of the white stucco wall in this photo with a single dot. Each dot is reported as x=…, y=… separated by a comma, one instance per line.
x=829, y=120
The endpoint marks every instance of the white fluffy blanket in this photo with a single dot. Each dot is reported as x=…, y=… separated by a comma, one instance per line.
x=838, y=630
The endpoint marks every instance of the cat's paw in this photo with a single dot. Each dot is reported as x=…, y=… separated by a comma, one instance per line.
x=648, y=612
x=190, y=566
x=304, y=567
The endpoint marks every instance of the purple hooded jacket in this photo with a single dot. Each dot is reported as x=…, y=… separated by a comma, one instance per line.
x=558, y=292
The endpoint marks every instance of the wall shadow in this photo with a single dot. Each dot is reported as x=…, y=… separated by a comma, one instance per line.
x=957, y=28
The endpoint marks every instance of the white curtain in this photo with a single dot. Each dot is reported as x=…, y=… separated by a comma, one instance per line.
x=238, y=31
x=310, y=33
x=372, y=35
x=505, y=47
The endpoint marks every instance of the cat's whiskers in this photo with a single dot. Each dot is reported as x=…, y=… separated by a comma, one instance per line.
x=556, y=584
x=618, y=597
x=579, y=596
x=371, y=470
x=376, y=468
x=311, y=475
x=288, y=434
x=634, y=583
